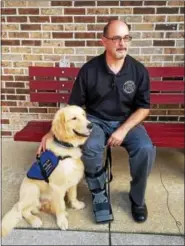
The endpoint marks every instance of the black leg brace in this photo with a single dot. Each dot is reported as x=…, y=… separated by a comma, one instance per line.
x=101, y=204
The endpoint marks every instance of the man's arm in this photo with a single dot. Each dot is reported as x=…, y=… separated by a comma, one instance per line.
x=136, y=118
x=142, y=105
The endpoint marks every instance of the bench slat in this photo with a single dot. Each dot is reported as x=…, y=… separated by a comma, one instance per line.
x=167, y=86
x=54, y=97
x=50, y=85
x=167, y=98
x=35, y=130
x=49, y=97
x=166, y=71
x=53, y=71
x=58, y=85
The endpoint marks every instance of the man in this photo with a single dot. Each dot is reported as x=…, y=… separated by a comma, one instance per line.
x=114, y=88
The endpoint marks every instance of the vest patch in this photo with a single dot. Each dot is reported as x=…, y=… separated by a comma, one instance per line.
x=42, y=168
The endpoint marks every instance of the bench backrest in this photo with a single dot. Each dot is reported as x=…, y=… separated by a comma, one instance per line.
x=54, y=84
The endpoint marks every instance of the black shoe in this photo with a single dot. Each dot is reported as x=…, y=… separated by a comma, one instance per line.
x=139, y=213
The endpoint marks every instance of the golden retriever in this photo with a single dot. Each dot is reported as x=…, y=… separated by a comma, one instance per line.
x=71, y=126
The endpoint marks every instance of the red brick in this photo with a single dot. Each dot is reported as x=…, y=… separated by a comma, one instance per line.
x=163, y=42
x=7, y=78
x=5, y=121
x=8, y=11
x=99, y=35
x=6, y=133
x=155, y=3
x=166, y=27
x=61, y=3
x=94, y=43
x=74, y=43
x=16, y=19
x=7, y=91
x=61, y=19
x=131, y=3
x=2, y=97
x=84, y=3
x=108, y=3
x=37, y=110
x=31, y=42
x=21, y=78
x=8, y=103
x=10, y=42
x=106, y=18
x=16, y=97
x=14, y=84
x=74, y=11
x=22, y=91
x=32, y=27
x=18, y=110
x=85, y=35
x=62, y=35
x=29, y=11
x=143, y=11
x=84, y=19
x=39, y=19
x=182, y=10
x=167, y=10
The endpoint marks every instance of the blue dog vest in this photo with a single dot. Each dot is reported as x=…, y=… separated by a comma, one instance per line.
x=42, y=168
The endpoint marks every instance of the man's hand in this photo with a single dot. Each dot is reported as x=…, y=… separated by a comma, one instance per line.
x=136, y=118
x=42, y=146
x=117, y=137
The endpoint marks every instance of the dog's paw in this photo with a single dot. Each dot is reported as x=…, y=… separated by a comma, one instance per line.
x=62, y=222
x=36, y=223
x=77, y=205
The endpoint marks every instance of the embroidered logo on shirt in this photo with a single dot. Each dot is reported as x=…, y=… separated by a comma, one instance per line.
x=129, y=86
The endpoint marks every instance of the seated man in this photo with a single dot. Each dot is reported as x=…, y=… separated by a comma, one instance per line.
x=114, y=88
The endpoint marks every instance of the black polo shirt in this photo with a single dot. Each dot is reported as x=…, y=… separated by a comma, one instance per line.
x=111, y=96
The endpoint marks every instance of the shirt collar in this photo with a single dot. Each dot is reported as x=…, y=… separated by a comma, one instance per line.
x=123, y=70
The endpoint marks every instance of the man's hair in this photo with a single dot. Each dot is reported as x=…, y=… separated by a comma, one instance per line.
x=106, y=27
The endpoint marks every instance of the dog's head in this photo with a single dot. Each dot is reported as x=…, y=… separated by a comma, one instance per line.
x=70, y=125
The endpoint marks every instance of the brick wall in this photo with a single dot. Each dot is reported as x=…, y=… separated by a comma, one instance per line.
x=43, y=32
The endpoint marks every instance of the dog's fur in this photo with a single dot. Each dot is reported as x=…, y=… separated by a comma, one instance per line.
x=36, y=195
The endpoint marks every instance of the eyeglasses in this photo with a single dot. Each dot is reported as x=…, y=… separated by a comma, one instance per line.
x=118, y=39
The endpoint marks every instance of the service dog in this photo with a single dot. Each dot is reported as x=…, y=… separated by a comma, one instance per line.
x=71, y=129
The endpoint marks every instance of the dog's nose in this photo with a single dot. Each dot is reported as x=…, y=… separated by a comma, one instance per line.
x=90, y=126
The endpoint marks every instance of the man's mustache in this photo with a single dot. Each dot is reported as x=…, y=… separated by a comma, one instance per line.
x=120, y=49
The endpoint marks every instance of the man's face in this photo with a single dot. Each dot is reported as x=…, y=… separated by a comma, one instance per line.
x=117, y=40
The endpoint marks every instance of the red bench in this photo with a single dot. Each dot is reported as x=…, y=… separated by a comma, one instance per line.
x=54, y=84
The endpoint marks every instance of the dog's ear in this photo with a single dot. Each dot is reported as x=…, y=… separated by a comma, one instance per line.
x=58, y=125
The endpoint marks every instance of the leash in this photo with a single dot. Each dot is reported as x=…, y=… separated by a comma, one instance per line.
x=108, y=165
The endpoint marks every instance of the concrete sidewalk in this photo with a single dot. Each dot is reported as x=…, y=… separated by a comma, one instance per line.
x=56, y=237
x=159, y=229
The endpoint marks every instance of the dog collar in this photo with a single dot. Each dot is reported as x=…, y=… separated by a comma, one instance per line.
x=65, y=144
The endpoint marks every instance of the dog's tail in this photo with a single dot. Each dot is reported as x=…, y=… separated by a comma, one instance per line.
x=11, y=219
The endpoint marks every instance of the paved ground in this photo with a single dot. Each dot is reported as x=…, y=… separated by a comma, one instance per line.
x=159, y=229
x=53, y=237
